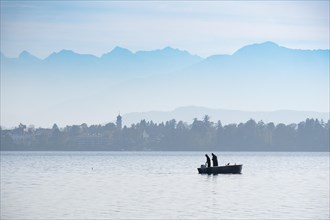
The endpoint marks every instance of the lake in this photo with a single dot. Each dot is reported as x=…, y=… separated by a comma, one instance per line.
x=163, y=185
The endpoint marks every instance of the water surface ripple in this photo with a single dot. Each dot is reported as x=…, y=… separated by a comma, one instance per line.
x=162, y=185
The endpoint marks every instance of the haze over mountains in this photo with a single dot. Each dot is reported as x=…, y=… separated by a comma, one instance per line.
x=71, y=88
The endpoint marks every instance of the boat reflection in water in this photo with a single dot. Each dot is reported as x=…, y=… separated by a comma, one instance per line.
x=228, y=169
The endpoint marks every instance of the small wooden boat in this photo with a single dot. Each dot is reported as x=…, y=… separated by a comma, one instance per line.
x=228, y=169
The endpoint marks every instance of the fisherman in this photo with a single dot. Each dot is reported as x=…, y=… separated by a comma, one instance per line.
x=208, y=161
x=214, y=160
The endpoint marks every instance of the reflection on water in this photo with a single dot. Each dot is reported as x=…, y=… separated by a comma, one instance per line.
x=92, y=185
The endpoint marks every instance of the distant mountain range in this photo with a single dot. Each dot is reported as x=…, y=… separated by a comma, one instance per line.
x=76, y=88
x=122, y=64
x=119, y=64
x=188, y=113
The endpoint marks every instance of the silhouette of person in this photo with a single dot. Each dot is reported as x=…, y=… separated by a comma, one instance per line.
x=208, y=161
x=214, y=160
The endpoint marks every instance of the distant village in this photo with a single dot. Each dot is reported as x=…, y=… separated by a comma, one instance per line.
x=308, y=135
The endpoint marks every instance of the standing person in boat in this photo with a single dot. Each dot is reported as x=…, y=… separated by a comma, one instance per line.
x=214, y=160
x=208, y=161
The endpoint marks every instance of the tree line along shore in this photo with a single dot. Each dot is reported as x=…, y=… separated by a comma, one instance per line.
x=200, y=135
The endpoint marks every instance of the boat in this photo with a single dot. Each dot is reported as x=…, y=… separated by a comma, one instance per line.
x=228, y=169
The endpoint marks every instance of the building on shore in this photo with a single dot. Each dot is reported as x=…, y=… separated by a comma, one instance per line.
x=119, y=122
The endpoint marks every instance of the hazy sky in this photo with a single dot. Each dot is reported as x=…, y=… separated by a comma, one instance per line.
x=201, y=27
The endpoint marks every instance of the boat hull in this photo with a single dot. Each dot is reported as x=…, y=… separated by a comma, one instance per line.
x=230, y=169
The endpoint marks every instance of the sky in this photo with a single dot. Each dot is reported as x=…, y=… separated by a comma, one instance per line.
x=203, y=28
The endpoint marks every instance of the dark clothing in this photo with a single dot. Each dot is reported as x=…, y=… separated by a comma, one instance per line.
x=208, y=161
x=214, y=160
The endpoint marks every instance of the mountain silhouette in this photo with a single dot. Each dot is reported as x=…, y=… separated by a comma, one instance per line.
x=119, y=64
x=257, y=76
x=255, y=58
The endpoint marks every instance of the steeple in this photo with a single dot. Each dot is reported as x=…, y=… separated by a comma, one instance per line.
x=119, y=122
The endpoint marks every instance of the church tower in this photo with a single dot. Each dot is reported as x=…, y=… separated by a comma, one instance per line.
x=118, y=122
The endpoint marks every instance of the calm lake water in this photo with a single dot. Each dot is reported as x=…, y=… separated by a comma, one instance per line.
x=162, y=185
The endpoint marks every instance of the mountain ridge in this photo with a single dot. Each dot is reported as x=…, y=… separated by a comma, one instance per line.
x=226, y=116
x=116, y=49
x=263, y=45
